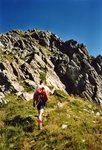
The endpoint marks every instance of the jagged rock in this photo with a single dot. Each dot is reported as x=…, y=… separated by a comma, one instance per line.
x=64, y=126
x=20, y=44
x=97, y=64
x=5, y=85
x=25, y=95
x=60, y=104
x=17, y=86
x=1, y=45
x=54, y=80
x=28, y=96
x=1, y=95
x=17, y=70
x=97, y=114
x=3, y=102
x=26, y=56
x=30, y=83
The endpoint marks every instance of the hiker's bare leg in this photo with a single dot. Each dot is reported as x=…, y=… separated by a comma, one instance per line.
x=40, y=113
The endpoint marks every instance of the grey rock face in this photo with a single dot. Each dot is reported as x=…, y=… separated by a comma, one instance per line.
x=28, y=56
x=97, y=64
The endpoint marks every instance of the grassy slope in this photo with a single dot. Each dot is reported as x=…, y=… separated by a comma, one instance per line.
x=71, y=123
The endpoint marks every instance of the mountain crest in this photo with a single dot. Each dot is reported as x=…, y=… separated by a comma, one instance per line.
x=36, y=54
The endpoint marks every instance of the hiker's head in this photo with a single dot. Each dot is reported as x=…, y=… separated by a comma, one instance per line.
x=41, y=82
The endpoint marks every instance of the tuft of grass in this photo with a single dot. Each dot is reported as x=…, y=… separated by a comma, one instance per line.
x=45, y=50
x=29, y=89
x=43, y=76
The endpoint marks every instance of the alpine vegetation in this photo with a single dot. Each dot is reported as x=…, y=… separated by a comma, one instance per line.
x=72, y=116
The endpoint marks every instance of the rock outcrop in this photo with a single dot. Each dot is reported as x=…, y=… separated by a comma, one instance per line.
x=34, y=54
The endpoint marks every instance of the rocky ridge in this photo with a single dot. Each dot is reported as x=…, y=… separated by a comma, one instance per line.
x=26, y=57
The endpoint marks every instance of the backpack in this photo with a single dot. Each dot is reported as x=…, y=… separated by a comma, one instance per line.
x=41, y=94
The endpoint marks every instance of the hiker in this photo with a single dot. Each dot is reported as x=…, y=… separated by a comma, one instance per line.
x=40, y=99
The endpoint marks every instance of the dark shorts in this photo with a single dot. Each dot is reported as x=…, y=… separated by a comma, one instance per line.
x=41, y=105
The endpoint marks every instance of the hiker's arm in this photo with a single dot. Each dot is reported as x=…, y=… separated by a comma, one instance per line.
x=34, y=101
x=53, y=90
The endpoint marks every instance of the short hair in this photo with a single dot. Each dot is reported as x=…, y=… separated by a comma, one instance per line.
x=41, y=81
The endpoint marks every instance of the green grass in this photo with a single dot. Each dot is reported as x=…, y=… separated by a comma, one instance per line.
x=27, y=88
x=42, y=76
x=45, y=50
x=82, y=120
x=9, y=57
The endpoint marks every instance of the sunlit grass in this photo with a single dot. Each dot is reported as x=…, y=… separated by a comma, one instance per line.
x=69, y=123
